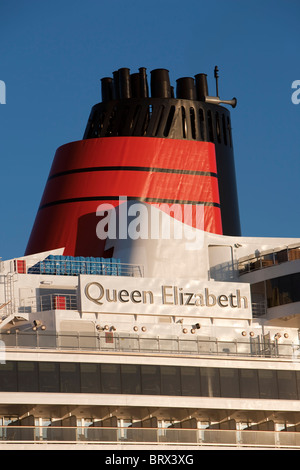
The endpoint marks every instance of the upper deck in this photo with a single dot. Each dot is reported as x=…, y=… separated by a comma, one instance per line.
x=111, y=399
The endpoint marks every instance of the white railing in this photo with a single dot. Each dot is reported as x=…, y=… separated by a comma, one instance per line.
x=75, y=267
x=259, y=308
x=55, y=301
x=37, y=338
x=152, y=436
x=267, y=259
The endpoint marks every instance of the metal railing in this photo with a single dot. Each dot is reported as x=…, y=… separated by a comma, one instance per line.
x=58, y=302
x=259, y=308
x=153, y=436
x=74, y=267
x=267, y=259
x=231, y=270
x=135, y=343
x=42, y=303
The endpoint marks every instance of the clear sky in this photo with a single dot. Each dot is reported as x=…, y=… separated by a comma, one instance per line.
x=54, y=53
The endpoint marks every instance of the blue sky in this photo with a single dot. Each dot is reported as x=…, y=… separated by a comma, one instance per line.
x=53, y=55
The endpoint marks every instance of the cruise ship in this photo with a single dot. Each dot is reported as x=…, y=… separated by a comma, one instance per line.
x=140, y=317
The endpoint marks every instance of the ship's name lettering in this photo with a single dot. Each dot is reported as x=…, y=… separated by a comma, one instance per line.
x=170, y=295
x=173, y=295
x=96, y=293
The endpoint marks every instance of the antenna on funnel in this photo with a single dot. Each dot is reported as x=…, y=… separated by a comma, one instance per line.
x=216, y=99
x=217, y=77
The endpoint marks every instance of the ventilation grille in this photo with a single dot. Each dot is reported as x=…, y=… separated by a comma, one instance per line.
x=151, y=117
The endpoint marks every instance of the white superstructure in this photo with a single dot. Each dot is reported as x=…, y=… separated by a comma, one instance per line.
x=141, y=355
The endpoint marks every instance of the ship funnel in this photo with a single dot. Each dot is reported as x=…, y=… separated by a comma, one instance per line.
x=160, y=84
x=186, y=88
x=147, y=145
x=217, y=100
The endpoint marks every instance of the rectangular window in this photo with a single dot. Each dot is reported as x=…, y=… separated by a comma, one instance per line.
x=69, y=378
x=287, y=387
x=131, y=379
x=249, y=383
x=229, y=381
x=283, y=290
x=267, y=384
x=210, y=382
x=27, y=376
x=298, y=383
x=90, y=378
x=295, y=281
x=190, y=381
x=150, y=380
x=8, y=377
x=170, y=380
x=110, y=378
x=49, y=377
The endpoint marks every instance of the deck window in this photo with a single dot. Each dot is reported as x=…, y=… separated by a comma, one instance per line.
x=90, y=378
x=190, y=381
x=69, y=377
x=229, y=382
x=49, y=377
x=210, y=382
x=249, y=383
x=267, y=384
x=287, y=386
x=170, y=380
x=150, y=380
x=131, y=378
x=110, y=378
x=28, y=376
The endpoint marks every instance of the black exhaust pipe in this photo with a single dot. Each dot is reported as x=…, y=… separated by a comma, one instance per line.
x=185, y=88
x=201, y=86
x=143, y=83
x=135, y=85
x=116, y=91
x=124, y=83
x=106, y=89
x=160, y=84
